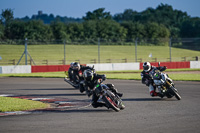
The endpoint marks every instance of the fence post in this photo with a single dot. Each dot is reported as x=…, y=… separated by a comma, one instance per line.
x=197, y=58
x=170, y=51
x=98, y=50
x=13, y=61
x=93, y=61
x=136, y=49
x=125, y=60
x=26, y=59
x=64, y=52
x=108, y=60
x=45, y=62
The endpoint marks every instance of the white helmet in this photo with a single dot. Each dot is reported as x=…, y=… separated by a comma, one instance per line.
x=146, y=66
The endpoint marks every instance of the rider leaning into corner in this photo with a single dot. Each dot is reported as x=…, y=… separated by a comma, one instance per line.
x=146, y=79
x=91, y=79
x=70, y=74
x=76, y=68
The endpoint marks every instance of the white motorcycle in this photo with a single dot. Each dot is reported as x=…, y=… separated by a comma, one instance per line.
x=164, y=84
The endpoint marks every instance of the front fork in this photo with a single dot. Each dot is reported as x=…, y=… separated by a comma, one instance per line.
x=171, y=86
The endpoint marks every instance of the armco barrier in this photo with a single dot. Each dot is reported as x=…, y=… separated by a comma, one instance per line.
x=98, y=67
x=115, y=66
x=170, y=65
x=15, y=69
x=194, y=64
x=50, y=68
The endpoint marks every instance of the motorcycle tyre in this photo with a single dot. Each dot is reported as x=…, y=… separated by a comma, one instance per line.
x=108, y=102
x=178, y=97
x=121, y=105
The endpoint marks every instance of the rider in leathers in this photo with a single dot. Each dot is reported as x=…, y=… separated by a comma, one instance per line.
x=70, y=71
x=146, y=79
x=77, y=68
x=91, y=80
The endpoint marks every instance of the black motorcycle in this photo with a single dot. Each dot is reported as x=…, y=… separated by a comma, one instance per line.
x=72, y=79
x=111, y=99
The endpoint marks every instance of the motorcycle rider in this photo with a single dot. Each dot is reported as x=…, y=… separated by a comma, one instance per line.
x=77, y=71
x=70, y=71
x=91, y=79
x=146, y=78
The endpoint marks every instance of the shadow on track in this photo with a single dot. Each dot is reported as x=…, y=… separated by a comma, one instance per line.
x=141, y=99
x=54, y=95
x=148, y=99
x=80, y=111
x=52, y=89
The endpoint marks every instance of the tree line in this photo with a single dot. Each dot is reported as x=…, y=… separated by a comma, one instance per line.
x=161, y=22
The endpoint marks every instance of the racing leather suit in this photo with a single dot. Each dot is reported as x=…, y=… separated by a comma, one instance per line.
x=146, y=79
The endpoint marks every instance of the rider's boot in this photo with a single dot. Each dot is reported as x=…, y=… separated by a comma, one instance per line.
x=114, y=90
x=119, y=94
x=160, y=95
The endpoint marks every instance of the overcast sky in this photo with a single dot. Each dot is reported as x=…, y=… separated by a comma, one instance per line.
x=78, y=8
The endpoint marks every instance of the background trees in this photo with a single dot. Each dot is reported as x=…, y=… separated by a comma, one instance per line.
x=161, y=22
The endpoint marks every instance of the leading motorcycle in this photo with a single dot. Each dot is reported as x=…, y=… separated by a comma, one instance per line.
x=164, y=84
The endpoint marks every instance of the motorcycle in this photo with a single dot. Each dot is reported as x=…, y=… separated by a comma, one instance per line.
x=76, y=81
x=111, y=99
x=72, y=82
x=164, y=84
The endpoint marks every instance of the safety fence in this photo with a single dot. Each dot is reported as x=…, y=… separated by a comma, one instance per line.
x=94, y=61
x=62, y=52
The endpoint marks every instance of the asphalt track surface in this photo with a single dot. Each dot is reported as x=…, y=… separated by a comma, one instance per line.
x=143, y=113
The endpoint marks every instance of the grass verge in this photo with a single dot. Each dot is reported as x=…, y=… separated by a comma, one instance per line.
x=175, y=77
x=8, y=104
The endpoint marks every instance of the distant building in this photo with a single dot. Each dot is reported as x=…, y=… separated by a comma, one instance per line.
x=39, y=13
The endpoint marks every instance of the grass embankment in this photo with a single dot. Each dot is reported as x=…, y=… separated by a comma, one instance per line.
x=8, y=104
x=86, y=53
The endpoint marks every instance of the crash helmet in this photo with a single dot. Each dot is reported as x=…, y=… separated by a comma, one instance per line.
x=88, y=75
x=76, y=66
x=146, y=66
x=71, y=65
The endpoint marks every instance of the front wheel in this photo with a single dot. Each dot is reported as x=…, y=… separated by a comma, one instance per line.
x=108, y=100
x=178, y=97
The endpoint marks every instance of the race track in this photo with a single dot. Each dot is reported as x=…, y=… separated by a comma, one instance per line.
x=143, y=113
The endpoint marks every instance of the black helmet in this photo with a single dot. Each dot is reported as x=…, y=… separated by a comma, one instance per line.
x=88, y=75
x=146, y=66
x=76, y=66
x=71, y=65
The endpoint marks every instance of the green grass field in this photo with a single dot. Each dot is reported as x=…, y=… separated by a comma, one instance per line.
x=86, y=53
x=16, y=104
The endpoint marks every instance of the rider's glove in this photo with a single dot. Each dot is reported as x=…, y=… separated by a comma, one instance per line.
x=147, y=82
x=89, y=93
x=104, y=77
